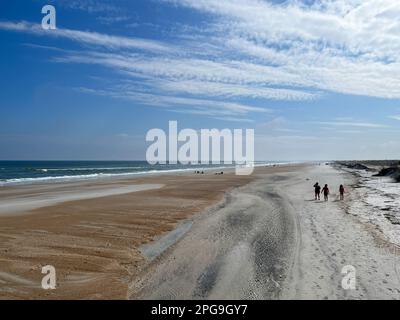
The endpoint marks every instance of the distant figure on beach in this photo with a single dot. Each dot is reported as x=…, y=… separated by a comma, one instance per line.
x=325, y=190
x=341, y=192
x=317, y=189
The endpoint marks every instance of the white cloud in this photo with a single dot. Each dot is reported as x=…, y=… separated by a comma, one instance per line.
x=87, y=37
x=352, y=124
x=276, y=123
x=342, y=46
x=193, y=77
x=198, y=76
x=349, y=131
x=219, y=89
x=228, y=111
x=90, y=6
x=122, y=135
x=251, y=49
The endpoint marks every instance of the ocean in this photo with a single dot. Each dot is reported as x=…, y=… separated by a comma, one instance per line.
x=26, y=172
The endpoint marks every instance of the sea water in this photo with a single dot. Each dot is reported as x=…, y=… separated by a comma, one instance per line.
x=26, y=172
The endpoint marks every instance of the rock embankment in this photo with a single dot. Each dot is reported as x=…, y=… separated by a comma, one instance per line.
x=393, y=172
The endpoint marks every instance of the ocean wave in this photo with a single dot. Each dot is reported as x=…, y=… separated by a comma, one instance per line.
x=82, y=177
x=66, y=178
x=87, y=169
x=61, y=178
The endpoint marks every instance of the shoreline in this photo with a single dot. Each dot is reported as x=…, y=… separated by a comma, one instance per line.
x=51, y=193
x=109, y=177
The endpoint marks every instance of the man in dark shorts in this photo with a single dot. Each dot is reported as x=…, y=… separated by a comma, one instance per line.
x=317, y=189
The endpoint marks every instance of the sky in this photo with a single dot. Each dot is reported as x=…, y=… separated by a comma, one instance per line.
x=314, y=79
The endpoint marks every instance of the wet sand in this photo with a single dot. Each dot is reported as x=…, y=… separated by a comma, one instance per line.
x=21, y=204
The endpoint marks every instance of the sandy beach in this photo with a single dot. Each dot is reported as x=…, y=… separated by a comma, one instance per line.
x=91, y=232
x=271, y=240
x=189, y=236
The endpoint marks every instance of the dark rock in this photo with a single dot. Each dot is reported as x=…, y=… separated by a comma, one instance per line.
x=355, y=165
x=393, y=172
x=392, y=218
x=387, y=172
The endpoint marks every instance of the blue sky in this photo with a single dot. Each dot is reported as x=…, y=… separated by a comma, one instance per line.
x=315, y=79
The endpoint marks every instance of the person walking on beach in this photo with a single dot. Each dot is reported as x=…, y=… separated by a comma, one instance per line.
x=341, y=192
x=317, y=189
x=325, y=190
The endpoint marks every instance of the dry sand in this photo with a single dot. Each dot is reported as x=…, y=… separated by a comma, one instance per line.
x=271, y=240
